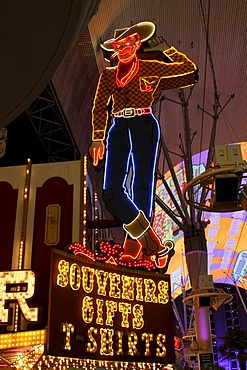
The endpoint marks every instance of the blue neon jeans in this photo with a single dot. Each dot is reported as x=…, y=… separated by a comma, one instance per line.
x=131, y=142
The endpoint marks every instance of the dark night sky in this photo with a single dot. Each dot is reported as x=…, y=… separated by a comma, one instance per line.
x=22, y=143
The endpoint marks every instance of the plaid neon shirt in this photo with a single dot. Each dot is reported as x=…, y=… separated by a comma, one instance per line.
x=140, y=91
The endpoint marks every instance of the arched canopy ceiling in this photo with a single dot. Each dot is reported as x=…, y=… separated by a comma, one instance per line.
x=34, y=38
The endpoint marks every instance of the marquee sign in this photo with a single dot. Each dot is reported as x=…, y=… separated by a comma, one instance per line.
x=17, y=286
x=103, y=312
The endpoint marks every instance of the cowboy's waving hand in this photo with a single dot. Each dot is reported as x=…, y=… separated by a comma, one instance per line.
x=157, y=43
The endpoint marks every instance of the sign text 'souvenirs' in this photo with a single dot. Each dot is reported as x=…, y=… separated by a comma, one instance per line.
x=100, y=312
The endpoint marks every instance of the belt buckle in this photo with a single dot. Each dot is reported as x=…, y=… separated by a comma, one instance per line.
x=129, y=112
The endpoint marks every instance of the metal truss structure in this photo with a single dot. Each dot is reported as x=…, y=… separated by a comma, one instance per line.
x=50, y=124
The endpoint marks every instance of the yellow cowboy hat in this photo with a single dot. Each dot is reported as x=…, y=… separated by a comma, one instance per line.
x=144, y=29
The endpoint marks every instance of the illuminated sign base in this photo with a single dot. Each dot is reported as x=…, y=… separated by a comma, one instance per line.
x=27, y=350
x=15, y=355
x=111, y=253
x=48, y=362
x=101, y=312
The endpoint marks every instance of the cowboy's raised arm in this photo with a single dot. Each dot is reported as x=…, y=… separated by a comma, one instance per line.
x=180, y=70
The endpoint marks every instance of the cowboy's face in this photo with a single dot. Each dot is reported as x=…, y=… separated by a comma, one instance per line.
x=126, y=48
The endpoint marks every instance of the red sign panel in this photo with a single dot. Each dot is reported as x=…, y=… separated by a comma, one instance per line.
x=103, y=312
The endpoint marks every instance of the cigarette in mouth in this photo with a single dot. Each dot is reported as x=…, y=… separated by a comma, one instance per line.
x=113, y=55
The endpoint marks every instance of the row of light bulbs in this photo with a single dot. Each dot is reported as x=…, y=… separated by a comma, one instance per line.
x=63, y=363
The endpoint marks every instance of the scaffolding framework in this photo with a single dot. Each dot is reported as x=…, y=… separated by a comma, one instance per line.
x=50, y=124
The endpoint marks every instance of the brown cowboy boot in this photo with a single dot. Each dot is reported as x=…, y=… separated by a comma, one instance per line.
x=141, y=230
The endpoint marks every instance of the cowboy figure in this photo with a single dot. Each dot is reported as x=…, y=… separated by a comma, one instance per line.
x=133, y=138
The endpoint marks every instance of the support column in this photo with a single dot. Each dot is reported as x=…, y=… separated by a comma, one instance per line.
x=204, y=338
x=196, y=253
x=197, y=263
x=202, y=321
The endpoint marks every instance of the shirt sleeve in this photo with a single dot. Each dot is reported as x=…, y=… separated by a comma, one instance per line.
x=180, y=65
x=100, y=108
